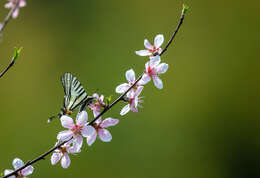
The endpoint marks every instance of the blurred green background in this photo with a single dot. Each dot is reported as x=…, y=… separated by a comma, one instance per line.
x=205, y=122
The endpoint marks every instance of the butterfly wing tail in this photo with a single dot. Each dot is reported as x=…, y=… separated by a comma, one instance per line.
x=86, y=103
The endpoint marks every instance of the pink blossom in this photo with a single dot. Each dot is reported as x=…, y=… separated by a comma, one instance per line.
x=17, y=164
x=62, y=154
x=74, y=130
x=11, y=4
x=133, y=100
x=96, y=107
x=152, y=69
x=98, y=129
x=130, y=77
x=152, y=49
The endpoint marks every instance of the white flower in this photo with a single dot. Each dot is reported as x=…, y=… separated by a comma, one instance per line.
x=99, y=129
x=130, y=77
x=74, y=130
x=152, y=69
x=152, y=49
x=62, y=154
x=133, y=101
x=17, y=164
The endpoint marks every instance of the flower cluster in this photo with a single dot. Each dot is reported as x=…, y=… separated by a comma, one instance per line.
x=73, y=136
x=11, y=4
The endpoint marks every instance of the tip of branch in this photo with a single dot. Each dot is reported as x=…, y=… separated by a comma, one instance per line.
x=17, y=53
x=185, y=9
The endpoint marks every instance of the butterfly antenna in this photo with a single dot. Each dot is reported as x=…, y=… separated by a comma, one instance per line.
x=53, y=117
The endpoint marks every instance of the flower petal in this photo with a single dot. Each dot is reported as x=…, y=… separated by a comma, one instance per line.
x=27, y=171
x=130, y=75
x=145, y=79
x=158, y=40
x=55, y=157
x=16, y=13
x=77, y=143
x=22, y=3
x=104, y=135
x=125, y=109
x=88, y=131
x=9, y=5
x=17, y=163
x=91, y=139
x=122, y=88
x=147, y=44
x=64, y=135
x=8, y=171
x=162, y=68
x=82, y=118
x=157, y=82
x=65, y=160
x=143, y=53
x=138, y=91
x=154, y=60
x=66, y=122
x=108, y=122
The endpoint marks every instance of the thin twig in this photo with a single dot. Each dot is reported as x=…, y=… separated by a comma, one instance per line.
x=8, y=17
x=103, y=112
x=17, y=53
x=184, y=10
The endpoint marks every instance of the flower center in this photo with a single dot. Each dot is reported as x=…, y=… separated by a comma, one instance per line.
x=76, y=129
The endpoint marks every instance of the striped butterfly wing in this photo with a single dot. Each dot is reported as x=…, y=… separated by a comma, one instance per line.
x=75, y=94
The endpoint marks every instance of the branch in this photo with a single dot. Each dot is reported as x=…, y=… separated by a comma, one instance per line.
x=8, y=17
x=105, y=110
x=16, y=55
x=184, y=10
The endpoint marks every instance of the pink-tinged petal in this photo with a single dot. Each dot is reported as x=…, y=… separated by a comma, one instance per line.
x=157, y=82
x=98, y=121
x=101, y=98
x=104, y=135
x=73, y=150
x=108, y=122
x=82, y=118
x=130, y=75
x=67, y=122
x=65, y=161
x=64, y=135
x=92, y=106
x=22, y=3
x=9, y=5
x=133, y=106
x=155, y=60
x=95, y=95
x=8, y=171
x=55, y=157
x=77, y=142
x=145, y=79
x=88, y=131
x=143, y=53
x=17, y=163
x=92, y=138
x=27, y=171
x=16, y=13
x=162, y=68
x=125, y=109
x=158, y=40
x=138, y=91
x=147, y=44
x=122, y=88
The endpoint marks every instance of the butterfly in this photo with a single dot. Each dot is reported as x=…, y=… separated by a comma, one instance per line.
x=75, y=96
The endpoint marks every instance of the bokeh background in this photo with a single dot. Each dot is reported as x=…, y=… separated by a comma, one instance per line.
x=205, y=123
